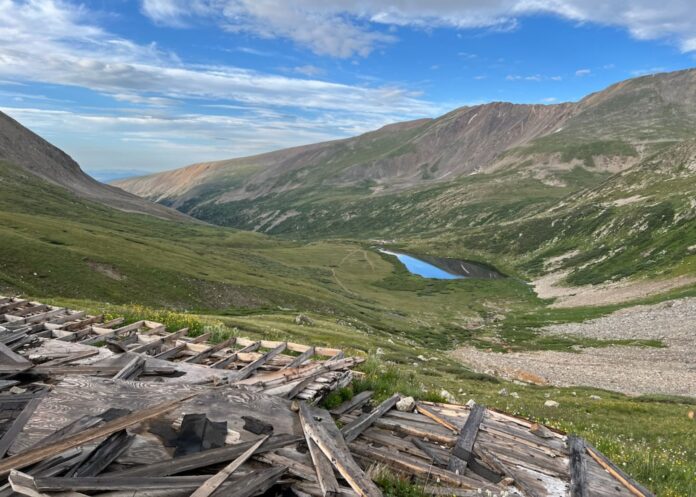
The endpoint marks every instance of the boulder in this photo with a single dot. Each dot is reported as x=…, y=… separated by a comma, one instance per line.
x=406, y=404
x=449, y=398
x=302, y=320
x=551, y=403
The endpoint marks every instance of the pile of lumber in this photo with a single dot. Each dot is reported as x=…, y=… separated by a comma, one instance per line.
x=95, y=408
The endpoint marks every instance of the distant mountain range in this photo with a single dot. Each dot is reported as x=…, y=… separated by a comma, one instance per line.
x=314, y=189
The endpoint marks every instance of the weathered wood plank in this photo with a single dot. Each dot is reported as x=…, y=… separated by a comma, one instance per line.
x=425, y=411
x=351, y=404
x=331, y=442
x=214, y=482
x=205, y=458
x=11, y=362
x=300, y=359
x=249, y=369
x=325, y=475
x=18, y=424
x=154, y=344
x=223, y=363
x=352, y=430
x=463, y=450
x=578, y=468
x=201, y=356
x=132, y=369
x=634, y=487
x=40, y=453
x=104, y=454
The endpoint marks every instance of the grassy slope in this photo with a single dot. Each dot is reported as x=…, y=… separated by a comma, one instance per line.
x=358, y=298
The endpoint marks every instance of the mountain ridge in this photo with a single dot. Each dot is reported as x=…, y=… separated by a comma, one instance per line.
x=24, y=148
x=603, y=133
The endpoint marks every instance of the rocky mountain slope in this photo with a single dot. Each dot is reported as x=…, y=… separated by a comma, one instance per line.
x=323, y=189
x=24, y=149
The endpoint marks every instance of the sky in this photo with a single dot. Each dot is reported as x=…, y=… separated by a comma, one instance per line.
x=129, y=87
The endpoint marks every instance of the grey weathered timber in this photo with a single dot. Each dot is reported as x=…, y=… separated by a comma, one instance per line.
x=44, y=451
x=351, y=404
x=578, y=468
x=633, y=486
x=437, y=459
x=331, y=442
x=11, y=362
x=132, y=369
x=297, y=361
x=214, y=482
x=155, y=344
x=463, y=450
x=325, y=475
x=201, y=356
x=104, y=454
x=258, y=483
x=18, y=424
x=352, y=430
x=250, y=368
x=205, y=458
x=223, y=363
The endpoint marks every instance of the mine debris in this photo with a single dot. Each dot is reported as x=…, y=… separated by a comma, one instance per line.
x=89, y=407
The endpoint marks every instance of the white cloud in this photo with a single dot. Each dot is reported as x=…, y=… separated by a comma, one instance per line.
x=344, y=28
x=71, y=51
x=532, y=77
x=163, y=140
x=309, y=70
x=583, y=72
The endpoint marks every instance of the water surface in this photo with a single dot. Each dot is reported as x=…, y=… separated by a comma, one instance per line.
x=441, y=268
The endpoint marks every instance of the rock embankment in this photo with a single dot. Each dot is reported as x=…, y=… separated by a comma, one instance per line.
x=628, y=369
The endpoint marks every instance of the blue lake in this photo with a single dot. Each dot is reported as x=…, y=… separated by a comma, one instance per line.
x=422, y=268
x=440, y=268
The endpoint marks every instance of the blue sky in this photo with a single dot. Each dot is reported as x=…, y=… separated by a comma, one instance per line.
x=136, y=86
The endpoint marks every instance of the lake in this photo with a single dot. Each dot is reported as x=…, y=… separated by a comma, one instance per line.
x=442, y=268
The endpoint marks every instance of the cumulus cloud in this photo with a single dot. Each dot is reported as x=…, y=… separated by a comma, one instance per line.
x=68, y=50
x=345, y=28
x=164, y=104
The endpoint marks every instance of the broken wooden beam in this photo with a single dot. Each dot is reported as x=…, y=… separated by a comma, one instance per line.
x=353, y=429
x=223, y=363
x=300, y=359
x=42, y=452
x=324, y=470
x=214, y=482
x=104, y=454
x=463, y=450
x=205, y=458
x=331, y=442
x=578, y=468
x=132, y=369
x=250, y=368
x=351, y=404
x=198, y=358
x=17, y=426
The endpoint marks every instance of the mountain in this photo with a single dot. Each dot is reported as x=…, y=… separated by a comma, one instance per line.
x=330, y=188
x=28, y=151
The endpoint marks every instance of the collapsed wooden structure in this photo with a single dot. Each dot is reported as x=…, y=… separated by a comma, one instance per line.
x=89, y=407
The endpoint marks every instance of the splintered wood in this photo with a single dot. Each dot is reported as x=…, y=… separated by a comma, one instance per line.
x=89, y=407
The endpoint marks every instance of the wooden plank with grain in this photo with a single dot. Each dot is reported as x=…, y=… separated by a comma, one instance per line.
x=42, y=452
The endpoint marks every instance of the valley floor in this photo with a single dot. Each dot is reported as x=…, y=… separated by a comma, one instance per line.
x=628, y=369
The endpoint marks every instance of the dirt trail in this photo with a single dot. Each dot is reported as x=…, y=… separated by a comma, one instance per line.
x=631, y=370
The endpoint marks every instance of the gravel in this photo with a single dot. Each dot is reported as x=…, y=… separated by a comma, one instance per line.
x=628, y=369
